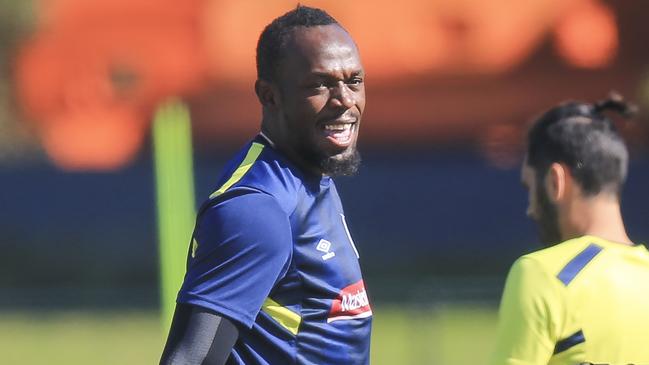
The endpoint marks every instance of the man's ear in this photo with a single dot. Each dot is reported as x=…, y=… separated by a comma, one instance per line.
x=558, y=182
x=267, y=93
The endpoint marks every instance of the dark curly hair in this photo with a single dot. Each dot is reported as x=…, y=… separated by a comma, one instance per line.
x=273, y=39
x=579, y=135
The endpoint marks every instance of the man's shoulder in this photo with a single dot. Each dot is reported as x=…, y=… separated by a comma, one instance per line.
x=274, y=174
x=259, y=168
x=243, y=217
x=554, y=259
x=563, y=249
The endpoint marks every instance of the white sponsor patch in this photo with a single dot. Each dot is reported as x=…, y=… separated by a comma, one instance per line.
x=351, y=303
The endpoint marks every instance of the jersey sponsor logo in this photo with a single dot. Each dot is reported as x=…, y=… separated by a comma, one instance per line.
x=351, y=303
x=324, y=246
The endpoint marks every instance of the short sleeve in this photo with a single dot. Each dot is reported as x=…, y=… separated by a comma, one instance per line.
x=528, y=315
x=241, y=247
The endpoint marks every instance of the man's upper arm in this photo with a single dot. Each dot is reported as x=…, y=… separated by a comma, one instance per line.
x=242, y=247
x=529, y=306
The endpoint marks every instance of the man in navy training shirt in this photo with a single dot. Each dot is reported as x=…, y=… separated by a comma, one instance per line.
x=272, y=271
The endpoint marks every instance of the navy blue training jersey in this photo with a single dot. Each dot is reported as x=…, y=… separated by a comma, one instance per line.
x=272, y=252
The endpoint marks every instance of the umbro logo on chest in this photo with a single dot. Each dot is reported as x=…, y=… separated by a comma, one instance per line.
x=324, y=246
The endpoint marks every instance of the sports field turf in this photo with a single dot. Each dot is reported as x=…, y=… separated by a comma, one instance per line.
x=417, y=335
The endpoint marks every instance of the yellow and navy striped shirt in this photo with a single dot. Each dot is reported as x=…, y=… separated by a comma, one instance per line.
x=584, y=300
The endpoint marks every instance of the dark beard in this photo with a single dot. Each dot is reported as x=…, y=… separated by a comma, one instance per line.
x=341, y=165
x=548, y=220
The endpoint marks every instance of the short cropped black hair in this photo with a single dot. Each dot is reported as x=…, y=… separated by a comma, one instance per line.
x=579, y=135
x=273, y=39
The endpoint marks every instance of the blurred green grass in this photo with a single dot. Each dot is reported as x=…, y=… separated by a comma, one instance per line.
x=79, y=338
x=448, y=335
x=415, y=335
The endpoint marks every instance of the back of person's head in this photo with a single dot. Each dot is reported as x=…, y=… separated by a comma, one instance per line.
x=580, y=136
x=273, y=39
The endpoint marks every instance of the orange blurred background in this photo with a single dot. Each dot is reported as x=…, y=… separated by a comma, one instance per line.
x=91, y=74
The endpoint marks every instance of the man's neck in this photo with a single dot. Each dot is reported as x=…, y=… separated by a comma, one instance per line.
x=264, y=136
x=295, y=159
x=597, y=216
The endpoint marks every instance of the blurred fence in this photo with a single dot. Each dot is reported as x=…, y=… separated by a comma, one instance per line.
x=430, y=226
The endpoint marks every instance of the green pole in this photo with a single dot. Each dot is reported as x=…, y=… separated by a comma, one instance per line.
x=174, y=176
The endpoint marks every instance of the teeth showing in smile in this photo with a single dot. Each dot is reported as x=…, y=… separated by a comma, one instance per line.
x=338, y=127
x=341, y=133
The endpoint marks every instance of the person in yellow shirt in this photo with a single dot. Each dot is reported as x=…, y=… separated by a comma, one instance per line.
x=584, y=298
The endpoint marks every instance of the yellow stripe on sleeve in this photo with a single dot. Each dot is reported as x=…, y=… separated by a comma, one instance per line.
x=248, y=161
x=282, y=315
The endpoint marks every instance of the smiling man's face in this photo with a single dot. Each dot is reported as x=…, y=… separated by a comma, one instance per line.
x=320, y=80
